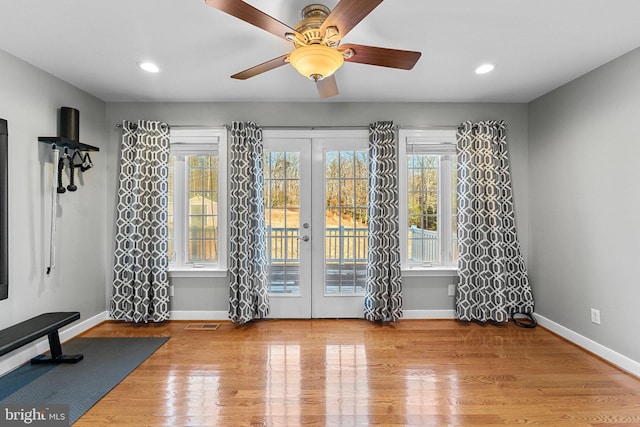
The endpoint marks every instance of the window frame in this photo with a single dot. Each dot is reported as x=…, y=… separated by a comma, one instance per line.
x=186, y=141
x=432, y=141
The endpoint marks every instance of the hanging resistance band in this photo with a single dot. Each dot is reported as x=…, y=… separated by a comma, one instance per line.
x=56, y=184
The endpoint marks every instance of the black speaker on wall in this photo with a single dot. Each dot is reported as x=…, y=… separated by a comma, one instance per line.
x=69, y=123
x=4, y=210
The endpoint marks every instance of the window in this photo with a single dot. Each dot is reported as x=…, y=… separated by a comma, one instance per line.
x=427, y=161
x=197, y=200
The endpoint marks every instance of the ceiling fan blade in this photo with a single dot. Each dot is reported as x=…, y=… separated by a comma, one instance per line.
x=250, y=14
x=347, y=14
x=380, y=56
x=327, y=87
x=259, y=69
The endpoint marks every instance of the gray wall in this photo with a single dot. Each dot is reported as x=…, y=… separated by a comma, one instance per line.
x=420, y=293
x=29, y=102
x=584, y=241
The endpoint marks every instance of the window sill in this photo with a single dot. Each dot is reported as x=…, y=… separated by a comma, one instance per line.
x=430, y=272
x=196, y=272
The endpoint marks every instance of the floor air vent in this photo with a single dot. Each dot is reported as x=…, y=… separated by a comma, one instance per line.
x=202, y=326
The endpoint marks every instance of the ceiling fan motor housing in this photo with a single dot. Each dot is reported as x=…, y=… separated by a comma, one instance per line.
x=312, y=18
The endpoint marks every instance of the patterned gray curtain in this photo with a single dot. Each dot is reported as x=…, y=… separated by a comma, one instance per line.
x=383, y=297
x=140, y=282
x=493, y=284
x=249, y=294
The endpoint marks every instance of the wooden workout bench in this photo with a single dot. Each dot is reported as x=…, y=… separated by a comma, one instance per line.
x=30, y=330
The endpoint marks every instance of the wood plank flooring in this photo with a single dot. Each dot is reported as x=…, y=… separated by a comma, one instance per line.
x=353, y=372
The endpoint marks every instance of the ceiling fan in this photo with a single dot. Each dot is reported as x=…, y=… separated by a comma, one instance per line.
x=316, y=39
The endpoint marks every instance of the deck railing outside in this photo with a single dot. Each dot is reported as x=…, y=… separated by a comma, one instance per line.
x=346, y=250
x=347, y=244
x=342, y=244
x=423, y=245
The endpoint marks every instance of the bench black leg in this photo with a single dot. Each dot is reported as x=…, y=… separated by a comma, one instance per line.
x=56, y=355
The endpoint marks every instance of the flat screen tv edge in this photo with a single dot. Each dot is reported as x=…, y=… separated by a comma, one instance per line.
x=4, y=210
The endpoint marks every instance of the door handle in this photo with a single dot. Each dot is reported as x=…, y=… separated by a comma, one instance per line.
x=304, y=238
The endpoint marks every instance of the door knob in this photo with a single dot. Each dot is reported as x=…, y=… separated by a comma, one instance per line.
x=304, y=238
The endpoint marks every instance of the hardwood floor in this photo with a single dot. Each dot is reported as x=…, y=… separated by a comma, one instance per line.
x=353, y=372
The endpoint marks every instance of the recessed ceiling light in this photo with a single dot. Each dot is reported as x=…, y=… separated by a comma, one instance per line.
x=485, y=68
x=149, y=67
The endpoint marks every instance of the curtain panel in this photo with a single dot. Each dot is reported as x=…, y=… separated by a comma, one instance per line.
x=140, y=283
x=383, y=296
x=249, y=293
x=493, y=283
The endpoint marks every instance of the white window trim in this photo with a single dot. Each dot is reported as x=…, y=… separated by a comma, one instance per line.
x=193, y=141
x=196, y=272
x=442, y=141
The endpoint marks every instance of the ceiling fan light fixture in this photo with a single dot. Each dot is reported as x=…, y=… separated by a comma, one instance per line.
x=316, y=61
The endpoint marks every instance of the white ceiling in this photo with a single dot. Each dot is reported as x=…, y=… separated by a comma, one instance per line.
x=537, y=45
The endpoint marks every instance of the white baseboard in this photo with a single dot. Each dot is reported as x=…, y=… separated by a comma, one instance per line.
x=199, y=315
x=613, y=357
x=428, y=314
x=224, y=315
x=19, y=357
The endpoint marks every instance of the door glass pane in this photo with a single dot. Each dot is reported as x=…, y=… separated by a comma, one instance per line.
x=346, y=221
x=282, y=214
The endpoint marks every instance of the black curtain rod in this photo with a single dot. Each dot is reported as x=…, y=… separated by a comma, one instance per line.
x=444, y=127
x=119, y=125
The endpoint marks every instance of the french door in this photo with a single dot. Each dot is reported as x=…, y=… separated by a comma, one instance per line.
x=316, y=196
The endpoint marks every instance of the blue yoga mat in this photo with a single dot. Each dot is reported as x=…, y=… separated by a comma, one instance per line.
x=107, y=361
